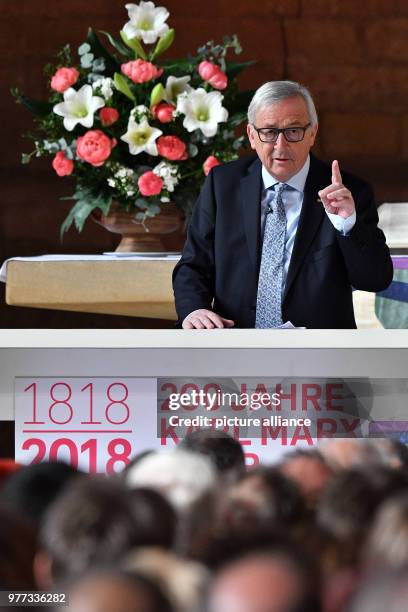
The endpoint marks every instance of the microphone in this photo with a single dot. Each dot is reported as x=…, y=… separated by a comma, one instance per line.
x=269, y=209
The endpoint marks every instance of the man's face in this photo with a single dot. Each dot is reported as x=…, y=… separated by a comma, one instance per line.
x=283, y=159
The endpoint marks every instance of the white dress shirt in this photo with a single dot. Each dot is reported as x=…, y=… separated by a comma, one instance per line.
x=292, y=201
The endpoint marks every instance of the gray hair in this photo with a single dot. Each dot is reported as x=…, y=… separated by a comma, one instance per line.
x=275, y=91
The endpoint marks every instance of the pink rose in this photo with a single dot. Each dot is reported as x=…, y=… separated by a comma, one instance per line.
x=62, y=165
x=219, y=80
x=64, y=78
x=207, y=69
x=150, y=184
x=108, y=116
x=209, y=163
x=140, y=71
x=163, y=112
x=95, y=147
x=171, y=147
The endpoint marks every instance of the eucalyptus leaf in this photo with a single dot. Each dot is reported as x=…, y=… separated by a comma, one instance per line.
x=98, y=65
x=86, y=60
x=86, y=203
x=84, y=48
x=153, y=209
x=141, y=203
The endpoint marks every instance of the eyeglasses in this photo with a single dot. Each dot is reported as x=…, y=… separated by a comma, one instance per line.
x=291, y=134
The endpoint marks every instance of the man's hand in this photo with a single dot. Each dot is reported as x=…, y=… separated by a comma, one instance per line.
x=336, y=198
x=205, y=319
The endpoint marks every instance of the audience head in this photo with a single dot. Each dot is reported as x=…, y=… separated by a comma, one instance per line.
x=32, y=489
x=181, y=476
x=309, y=470
x=182, y=580
x=109, y=590
x=94, y=523
x=265, y=581
x=17, y=550
x=265, y=496
x=351, y=499
x=344, y=453
x=383, y=592
x=223, y=450
x=387, y=543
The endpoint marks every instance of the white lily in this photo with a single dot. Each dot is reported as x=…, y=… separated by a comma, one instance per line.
x=202, y=111
x=146, y=21
x=141, y=137
x=176, y=86
x=78, y=107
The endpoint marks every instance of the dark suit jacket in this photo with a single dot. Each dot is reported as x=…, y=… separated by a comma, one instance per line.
x=220, y=264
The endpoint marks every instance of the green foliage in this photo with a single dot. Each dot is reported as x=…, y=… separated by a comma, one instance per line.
x=97, y=48
x=87, y=201
x=134, y=44
x=163, y=44
x=122, y=86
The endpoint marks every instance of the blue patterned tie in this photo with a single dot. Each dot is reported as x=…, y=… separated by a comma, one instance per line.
x=269, y=298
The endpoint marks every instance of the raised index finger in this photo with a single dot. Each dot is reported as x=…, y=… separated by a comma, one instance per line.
x=336, y=176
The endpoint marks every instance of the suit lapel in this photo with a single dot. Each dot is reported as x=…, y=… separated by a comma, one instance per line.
x=250, y=187
x=311, y=217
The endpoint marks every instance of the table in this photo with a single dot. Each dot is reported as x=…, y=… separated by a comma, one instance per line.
x=132, y=286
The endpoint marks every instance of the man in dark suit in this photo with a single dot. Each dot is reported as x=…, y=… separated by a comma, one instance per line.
x=280, y=236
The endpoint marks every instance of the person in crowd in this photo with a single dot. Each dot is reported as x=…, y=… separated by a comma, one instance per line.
x=275, y=580
x=95, y=522
x=385, y=591
x=350, y=500
x=309, y=470
x=112, y=590
x=32, y=489
x=17, y=551
x=263, y=495
x=387, y=543
x=344, y=453
x=182, y=580
x=225, y=453
x=181, y=476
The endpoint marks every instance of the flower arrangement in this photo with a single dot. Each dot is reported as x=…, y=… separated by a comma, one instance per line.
x=131, y=130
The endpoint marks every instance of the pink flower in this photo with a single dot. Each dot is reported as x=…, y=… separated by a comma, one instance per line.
x=207, y=69
x=108, y=116
x=163, y=112
x=219, y=80
x=150, y=184
x=64, y=78
x=62, y=165
x=171, y=147
x=140, y=71
x=213, y=74
x=95, y=147
x=209, y=163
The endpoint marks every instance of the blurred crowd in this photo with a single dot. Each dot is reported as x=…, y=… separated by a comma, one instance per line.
x=192, y=530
